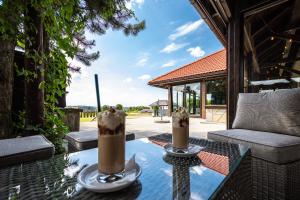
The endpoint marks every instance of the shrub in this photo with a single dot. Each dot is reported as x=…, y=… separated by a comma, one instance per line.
x=105, y=107
x=119, y=106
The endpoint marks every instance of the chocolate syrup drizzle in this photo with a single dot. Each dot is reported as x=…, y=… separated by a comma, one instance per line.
x=120, y=129
x=184, y=122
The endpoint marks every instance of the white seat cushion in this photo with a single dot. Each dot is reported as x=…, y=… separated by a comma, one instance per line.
x=277, y=112
x=24, y=149
x=274, y=147
x=82, y=140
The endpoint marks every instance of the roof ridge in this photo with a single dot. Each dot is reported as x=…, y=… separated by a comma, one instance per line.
x=209, y=55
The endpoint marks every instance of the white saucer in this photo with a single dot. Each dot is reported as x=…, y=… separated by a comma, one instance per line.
x=91, y=179
x=192, y=150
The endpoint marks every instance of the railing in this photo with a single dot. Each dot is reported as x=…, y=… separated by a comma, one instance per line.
x=88, y=114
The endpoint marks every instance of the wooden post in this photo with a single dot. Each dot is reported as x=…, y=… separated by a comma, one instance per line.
x=189, y=102
x=234, y=62
x=184, y=99
x=177, y=100
x=170, y=100
x=6, y=86
x=203, y=100
x=34, y=93
x=194, y=103
x=61, y=100
x=7, y=47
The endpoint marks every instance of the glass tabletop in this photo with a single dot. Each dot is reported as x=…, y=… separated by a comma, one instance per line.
x=163, y=177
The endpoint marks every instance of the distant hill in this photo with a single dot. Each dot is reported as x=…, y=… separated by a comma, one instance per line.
x=94, y=108
x=85, y=108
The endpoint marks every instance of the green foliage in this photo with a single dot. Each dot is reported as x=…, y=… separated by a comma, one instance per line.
x=119, y=106
x=112, y=14
x=136, y=108
x=54, y=128
x=19, y=125
x=155, y=108
x=64, y=23
x=105, y=107
x=216, y=90
x=10, y=17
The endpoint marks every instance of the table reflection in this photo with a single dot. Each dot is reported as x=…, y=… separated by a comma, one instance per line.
x=181, y=175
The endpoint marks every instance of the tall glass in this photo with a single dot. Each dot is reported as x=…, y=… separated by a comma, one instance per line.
x=111, y=141
x=180, y=128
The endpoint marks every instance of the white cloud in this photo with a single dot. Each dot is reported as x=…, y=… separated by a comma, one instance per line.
x=142, y=62
x=132, y=88
x=128, y=80
x=143, y=59
x=112, y=90
x=196, y=52
x=76, y=92
x=139, y=2
x=199, y=170
x=168, y=172
x=196, y=196
x=111, y=75
x=170, y=63
x=130, y=4
x=173, y=47
x=83, y=69
x=144, y=77
x=185, y=29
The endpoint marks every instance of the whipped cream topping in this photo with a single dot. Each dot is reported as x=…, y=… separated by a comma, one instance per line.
x=111, y=118
x=180, y=118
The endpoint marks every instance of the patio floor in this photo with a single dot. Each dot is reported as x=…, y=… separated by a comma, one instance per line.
x=145, y=126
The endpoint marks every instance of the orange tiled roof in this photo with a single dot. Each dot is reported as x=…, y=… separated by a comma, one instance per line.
x=219, y=163
x=213, y=63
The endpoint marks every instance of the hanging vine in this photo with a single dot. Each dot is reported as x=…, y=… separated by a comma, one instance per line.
x=64, y=24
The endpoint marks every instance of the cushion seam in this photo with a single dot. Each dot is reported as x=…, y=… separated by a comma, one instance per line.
x=258, y=143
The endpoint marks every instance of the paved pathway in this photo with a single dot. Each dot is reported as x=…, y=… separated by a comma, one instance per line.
x=145, y=126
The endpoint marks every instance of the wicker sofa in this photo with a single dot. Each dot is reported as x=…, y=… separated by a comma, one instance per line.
x=270, y=124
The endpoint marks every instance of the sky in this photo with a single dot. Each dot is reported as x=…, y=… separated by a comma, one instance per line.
x=175, y=35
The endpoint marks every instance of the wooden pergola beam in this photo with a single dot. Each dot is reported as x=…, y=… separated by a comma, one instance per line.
x=276, y=54
x=249, y=40
x=235, y=81
x=270, y=23
x=254, y=7
x=282, y=60
x=285, y=36
x=263, y=52
x=202, y=8
x=170, y=101
x=285, y=68
x=233, y=39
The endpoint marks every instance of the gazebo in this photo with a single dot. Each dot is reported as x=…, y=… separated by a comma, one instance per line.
x=161, y=106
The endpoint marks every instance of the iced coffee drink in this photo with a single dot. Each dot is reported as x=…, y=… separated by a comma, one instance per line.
x=111, y=141
x=180, y=128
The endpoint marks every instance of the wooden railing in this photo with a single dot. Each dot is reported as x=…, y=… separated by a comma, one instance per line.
x=88, y=114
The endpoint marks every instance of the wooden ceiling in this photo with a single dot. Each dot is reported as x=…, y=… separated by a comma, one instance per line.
x=271, y=33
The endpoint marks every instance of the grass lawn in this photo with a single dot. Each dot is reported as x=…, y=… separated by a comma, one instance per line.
x=137, y=114
x=86, y=119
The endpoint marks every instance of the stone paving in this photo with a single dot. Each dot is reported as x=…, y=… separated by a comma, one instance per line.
x=146, y=126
